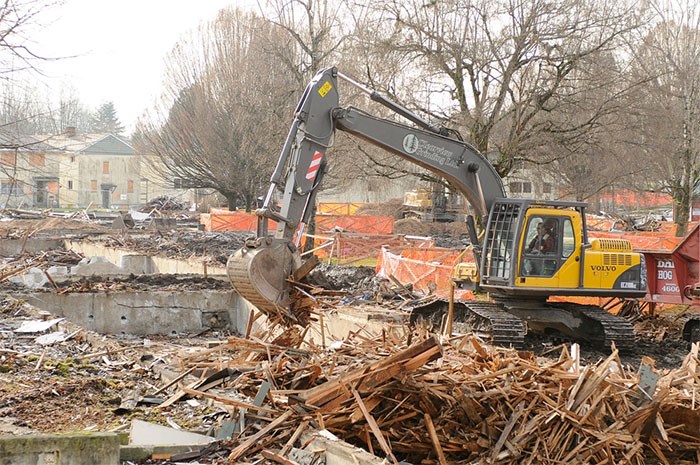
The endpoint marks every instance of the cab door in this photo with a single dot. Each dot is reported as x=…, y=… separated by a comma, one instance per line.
x=556, y=264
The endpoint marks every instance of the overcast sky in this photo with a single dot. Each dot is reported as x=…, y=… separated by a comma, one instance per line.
x=120, y=47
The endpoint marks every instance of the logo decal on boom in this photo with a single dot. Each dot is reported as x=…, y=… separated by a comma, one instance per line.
x=325, y=88
x=410, y=143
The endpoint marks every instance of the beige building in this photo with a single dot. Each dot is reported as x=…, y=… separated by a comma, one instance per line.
x=101, y=170
x=76, y=170
x=28, y=173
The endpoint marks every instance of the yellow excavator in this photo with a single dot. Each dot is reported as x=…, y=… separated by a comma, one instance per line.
x=518, y=273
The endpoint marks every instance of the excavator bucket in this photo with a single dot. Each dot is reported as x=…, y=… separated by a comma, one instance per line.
x=259, y=273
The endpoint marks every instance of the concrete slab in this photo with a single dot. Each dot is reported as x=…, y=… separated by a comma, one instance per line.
x=370, y=320
x=15, y=247
x=144, y=433
x=339, y=452
x=60, y=449
x=148, y=312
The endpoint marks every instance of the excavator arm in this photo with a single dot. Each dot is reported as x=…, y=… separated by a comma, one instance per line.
x=260, y=270
x=457, y=162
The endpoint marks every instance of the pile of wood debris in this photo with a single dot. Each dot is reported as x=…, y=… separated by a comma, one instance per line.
x=55, y=257
x=415, y=398
x=459, y=401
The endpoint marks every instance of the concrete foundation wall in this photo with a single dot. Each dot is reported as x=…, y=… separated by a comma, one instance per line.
x=15, y=247
x=340, y=323
x=143, y=313
x=69, y=449
x=138, y=263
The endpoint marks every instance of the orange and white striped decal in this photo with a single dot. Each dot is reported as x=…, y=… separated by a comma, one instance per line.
x=314, y=166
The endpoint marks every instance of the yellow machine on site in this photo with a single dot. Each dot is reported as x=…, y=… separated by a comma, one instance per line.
x=519, y=278
x=434, y=204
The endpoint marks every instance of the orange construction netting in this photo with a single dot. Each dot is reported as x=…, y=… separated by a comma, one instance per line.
x=366, y=224
x=428, y=270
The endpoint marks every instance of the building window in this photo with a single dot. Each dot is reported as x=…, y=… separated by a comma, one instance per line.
x=93, y=185
x=520, y=187
x=105, y=167
x=72, y=158
x=70, y=185
x=37, y=159
x=8, y=159
x=10, y=188
x=547, y=188
x=177, y=183
x=130, y=187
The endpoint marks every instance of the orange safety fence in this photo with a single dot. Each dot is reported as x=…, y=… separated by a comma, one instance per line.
x=367, y=224
x=337, y=208
x=596, y=223
x=224, y=220
x=432, y=276
x=350, y=247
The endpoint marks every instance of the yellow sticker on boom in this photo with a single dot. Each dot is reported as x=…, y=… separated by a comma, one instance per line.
x=325, y=88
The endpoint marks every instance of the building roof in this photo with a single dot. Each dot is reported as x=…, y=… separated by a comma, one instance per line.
x=90, y=143
x=12, y=142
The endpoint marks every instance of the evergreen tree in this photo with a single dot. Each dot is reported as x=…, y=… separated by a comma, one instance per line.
x=105, y=120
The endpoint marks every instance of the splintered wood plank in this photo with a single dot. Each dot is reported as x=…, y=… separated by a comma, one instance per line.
x=279, y=458
x=251, y=440
x=374, y=427
x=228, y=400
x=297, y=433
x=373, y=374
x=435, y=439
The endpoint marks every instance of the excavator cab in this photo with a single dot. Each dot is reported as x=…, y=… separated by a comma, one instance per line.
x=540, y=248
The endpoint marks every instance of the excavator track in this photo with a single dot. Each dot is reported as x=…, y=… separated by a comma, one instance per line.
x=506, y=322
x=488, y=320
x=584, y=323
x=504, y=328
x=615, y=329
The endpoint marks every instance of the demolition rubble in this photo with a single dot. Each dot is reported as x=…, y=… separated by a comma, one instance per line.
x=285, y=391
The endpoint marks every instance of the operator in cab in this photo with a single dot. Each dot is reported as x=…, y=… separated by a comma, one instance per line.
x=543, y=242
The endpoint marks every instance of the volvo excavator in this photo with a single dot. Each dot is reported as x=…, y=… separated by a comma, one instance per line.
x=518, y=275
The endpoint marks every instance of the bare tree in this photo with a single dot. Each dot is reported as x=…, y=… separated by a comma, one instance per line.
x=26, y=110
x=315, y=32
x=219, y=123
x=17, y=19
x=21, y=108
x=497, y=68
x=667, y=109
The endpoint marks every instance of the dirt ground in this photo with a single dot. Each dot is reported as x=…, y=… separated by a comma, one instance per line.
x=81, y=383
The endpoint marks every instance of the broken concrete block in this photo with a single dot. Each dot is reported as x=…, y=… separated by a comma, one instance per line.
x=96, y=266
x=51, y=338
x=37, y=326
x=149, y=434
x=34, y=278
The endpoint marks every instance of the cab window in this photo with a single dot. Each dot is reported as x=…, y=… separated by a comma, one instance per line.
x=568, y=239
x=539, y=252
